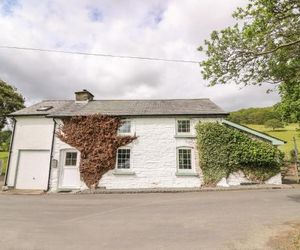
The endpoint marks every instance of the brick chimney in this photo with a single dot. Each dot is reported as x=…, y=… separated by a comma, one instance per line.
x=83, y=96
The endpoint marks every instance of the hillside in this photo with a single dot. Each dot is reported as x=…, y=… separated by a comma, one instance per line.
x=287, y=133
x=254, y=115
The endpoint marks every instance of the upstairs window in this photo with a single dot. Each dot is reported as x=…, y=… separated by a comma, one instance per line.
x=123, y=158
x=184, y=158
x=125, y=127
x=183, y=126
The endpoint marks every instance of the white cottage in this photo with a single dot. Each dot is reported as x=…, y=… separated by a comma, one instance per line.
x=164, y=155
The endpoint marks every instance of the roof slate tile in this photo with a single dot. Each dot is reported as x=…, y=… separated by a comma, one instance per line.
x=125, y=108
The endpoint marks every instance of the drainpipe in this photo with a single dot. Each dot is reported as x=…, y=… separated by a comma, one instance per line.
x=10, y=150
x=51, y=154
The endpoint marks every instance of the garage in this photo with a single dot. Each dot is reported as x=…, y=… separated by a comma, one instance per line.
x=33, y=169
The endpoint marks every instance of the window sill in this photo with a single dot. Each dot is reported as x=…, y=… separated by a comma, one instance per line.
x=186, y=174
x=185, y=136
x=126, y=134
x=123, y=172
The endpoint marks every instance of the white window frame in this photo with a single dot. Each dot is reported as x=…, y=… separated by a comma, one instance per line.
x=131, y=128
x=183, y=133
x=64, y=152
x=65, y=158
x=192, y=170
x=130, y=160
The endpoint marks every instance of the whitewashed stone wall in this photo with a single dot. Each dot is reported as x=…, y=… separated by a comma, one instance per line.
x=153, y=157
x=236, y=178
x=275, y=180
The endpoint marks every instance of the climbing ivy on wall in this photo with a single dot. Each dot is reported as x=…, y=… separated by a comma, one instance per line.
x=223, y=150
x=96, y=137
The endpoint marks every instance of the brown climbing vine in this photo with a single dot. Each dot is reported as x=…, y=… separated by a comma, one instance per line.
x=96, y=137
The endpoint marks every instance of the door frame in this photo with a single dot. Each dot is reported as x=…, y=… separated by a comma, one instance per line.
x=60, y=175
x=18, y=162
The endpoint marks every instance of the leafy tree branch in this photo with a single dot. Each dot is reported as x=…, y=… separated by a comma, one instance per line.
x=263, y=46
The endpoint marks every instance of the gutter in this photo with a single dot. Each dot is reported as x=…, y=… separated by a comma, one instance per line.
x=51, y=154
x=10, y=150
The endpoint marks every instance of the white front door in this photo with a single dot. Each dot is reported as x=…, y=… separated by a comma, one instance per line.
x=69, y=174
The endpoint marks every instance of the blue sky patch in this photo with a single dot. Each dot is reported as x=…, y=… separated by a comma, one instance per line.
x=157, y=15
x=7, y=6
x=95, y=14
x=153, y=17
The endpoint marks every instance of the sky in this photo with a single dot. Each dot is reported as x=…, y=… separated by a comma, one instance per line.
x=166, y=29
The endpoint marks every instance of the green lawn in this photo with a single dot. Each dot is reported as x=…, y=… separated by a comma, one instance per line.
x=285, y=134
x=4, y=156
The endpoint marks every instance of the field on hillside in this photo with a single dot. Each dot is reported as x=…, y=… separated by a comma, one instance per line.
x=287, y=133
x=3, y=157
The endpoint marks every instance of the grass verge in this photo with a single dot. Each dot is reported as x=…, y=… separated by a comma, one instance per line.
x=289, y=240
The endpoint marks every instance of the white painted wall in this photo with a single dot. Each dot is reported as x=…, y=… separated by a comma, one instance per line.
x=236, y=178
x=33, y=133
x=153, y=156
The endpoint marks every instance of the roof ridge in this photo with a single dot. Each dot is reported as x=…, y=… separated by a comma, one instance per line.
x=172, y=99
x=59, y=100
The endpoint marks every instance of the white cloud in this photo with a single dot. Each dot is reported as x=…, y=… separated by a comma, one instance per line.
x=167, y=29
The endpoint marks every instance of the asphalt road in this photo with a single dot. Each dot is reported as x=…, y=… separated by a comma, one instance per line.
x=201, y=220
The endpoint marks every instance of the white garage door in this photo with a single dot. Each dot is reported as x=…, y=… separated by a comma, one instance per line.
x=33, y=169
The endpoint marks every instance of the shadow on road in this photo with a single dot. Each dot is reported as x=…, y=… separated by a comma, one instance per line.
x=295, y=198
x=1, y=181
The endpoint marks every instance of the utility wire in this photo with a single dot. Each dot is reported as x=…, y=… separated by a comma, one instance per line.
x=99, y=54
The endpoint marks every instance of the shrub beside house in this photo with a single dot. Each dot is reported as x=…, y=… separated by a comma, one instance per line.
x=224, y=151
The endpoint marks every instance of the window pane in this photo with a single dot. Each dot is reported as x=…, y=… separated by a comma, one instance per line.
x=123, y=157
x=184, y=159
x=71, y=159
x=126, y=127
x=183, y=126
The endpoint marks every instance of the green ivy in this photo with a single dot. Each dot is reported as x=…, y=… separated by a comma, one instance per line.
x=223, y=150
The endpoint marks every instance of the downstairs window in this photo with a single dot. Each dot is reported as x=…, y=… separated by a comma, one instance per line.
x=123, y=158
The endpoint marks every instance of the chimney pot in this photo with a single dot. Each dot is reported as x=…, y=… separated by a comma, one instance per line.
x=83, y=96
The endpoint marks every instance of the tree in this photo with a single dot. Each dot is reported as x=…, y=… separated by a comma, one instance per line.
x=5, y=140
x=273, y=123
x=254, y=115
x=290, y=101
x=10, y=101
x=263, y=46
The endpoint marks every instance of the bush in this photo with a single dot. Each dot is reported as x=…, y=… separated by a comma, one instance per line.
x=273, y=123
x=5, y=140
x=223, y=150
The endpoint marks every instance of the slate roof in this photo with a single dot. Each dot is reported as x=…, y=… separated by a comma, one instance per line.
x=125, y=108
